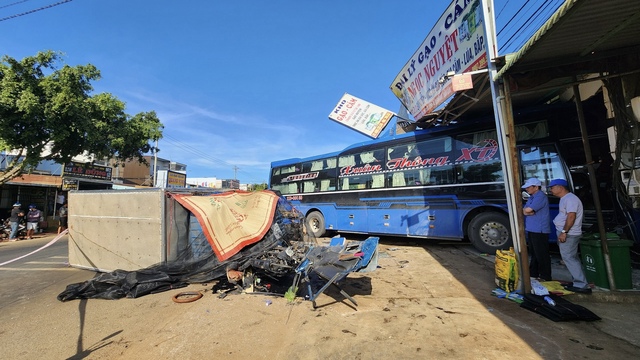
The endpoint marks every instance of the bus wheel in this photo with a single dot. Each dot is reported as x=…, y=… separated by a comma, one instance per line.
x=489, y=232
x=315, y=224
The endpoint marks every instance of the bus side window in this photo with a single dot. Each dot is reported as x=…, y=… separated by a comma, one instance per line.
x=398, y=152
x=442, y=175
x=344, y=183
x=286, y=189
x=327, y=185
x=378, y=181
x=397, y=179
x=348, y=160
x=315, y=166
x=309, y=186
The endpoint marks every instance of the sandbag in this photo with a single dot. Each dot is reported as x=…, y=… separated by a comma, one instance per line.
x=506, y=266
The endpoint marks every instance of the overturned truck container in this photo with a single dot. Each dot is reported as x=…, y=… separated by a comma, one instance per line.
x=135, y=229
x=124, y=229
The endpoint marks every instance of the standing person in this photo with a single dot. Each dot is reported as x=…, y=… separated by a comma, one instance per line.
x=60, y=200
x=64, y=213
x=34, y=216
x=537, y=226
x=14, y=219
x=568, y=225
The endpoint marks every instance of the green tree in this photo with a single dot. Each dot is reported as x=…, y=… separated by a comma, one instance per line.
x=49, y=113
x=258, y=187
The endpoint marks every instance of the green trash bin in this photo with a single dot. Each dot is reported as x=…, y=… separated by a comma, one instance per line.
x=594, y=265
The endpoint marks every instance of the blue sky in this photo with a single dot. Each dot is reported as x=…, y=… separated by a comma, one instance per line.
x=240, y=84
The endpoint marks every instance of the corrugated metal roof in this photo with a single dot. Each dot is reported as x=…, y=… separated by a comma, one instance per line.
x=580, y=30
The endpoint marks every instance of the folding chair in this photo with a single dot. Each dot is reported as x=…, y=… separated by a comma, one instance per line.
x=333, y=263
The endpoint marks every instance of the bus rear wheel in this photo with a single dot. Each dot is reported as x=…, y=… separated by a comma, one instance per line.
x=315, y=224
x=489, y=232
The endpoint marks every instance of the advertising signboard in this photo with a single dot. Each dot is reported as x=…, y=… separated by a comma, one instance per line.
x=87, y=170
x=70, y=184
x=455, y=45
x=170, y=179
x=361, y=116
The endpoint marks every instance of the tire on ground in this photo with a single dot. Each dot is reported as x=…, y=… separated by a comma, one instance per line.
x=490, y=231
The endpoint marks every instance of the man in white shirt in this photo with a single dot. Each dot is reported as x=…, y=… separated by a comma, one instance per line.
x=568, y=225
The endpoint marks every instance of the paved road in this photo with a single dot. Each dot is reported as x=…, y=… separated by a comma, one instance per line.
x=45, y=270
x=423, y=277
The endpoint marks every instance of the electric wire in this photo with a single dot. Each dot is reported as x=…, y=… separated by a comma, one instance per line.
x=527, y=24
x=501, y=10
x=15, y=3
x=34, y=10
x=191, y=149
x=512, y=18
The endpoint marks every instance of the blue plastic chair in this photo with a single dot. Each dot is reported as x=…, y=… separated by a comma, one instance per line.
x=333, y=263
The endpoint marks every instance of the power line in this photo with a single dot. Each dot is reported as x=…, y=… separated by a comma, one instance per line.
x=527, y=24
x=501, y=10
x=34, y=10
x=15, y=3
x=193, y=150
x=512, y=18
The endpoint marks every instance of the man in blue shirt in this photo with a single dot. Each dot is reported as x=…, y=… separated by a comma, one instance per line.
x=536, y=224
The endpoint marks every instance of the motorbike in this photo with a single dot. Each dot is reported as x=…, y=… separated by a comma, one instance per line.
x=5, y=229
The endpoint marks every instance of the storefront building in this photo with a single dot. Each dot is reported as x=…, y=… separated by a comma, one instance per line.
x=46, y=186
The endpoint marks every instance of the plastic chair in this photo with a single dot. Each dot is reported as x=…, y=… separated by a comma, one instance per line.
x=333, y=263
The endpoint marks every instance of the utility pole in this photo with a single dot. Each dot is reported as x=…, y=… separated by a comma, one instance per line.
x=155, y=164
x=235, y=172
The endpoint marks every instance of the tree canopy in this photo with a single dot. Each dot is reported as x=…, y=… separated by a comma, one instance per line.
x=50, y=113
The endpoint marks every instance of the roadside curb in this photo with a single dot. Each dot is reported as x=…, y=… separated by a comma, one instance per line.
x=605, y=295
x=599, y=295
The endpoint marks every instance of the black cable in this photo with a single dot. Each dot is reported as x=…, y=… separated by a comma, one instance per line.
x=512, y=18
x=15, y=3
x=519, y=32
x=34, y=10
x=499, y=13
x=195, y=151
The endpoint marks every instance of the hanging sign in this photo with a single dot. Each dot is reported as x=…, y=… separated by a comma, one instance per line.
x=361, y=116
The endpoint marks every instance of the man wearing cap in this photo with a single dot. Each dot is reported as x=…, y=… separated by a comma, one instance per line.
x=568, y=225
x=536, y=224
x=34, y=216
x=14, y=219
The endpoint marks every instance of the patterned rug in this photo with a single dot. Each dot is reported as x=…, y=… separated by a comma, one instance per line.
x=232, y=220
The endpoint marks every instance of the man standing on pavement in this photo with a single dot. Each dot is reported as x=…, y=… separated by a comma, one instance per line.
x=14, y=219
x=34, y=216
x=568, y=225
x=536, y=224
x=64, y=213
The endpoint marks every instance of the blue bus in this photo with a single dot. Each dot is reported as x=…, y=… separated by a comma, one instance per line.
x=439, y=183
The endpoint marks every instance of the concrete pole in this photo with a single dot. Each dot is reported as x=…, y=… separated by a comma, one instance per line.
x=506, y=150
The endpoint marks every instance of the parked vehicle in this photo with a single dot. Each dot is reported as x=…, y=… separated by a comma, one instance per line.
x=5, y=229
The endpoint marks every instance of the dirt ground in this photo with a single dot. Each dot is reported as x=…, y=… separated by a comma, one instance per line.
x=424, y=301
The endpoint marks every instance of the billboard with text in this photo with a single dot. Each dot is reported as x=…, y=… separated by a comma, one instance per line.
x=455, y=45
x=361, y=116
